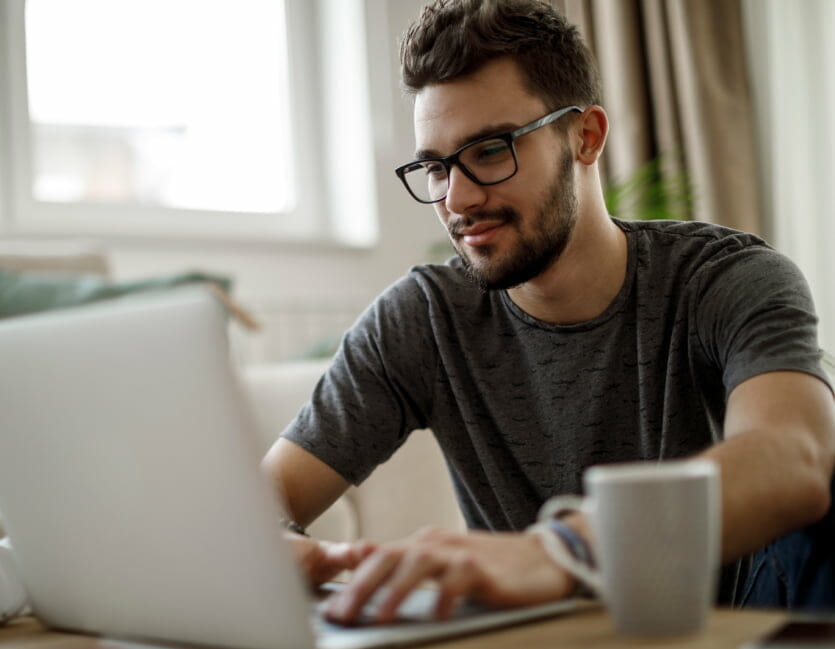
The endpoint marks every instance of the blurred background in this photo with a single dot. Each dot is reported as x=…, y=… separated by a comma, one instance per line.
x=256, y=140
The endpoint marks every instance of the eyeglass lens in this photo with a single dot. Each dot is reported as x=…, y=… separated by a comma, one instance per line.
x=489, y=161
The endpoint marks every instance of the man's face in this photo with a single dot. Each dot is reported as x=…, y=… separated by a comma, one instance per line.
x=511, y=232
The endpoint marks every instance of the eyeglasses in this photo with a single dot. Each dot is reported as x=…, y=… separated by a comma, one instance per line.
x=487, y=161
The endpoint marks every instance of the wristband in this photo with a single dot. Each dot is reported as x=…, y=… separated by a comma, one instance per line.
x=292, y=526
x=575, y=543
x=569, y=551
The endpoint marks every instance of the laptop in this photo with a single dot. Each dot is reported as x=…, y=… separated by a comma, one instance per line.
x=131, y=490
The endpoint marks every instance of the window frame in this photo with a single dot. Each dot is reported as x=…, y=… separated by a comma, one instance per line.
x=310, y=219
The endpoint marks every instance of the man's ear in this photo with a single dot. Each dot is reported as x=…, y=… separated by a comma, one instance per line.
x=593, y=127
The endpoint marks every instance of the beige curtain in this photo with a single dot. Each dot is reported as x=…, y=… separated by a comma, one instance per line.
x=675, y=85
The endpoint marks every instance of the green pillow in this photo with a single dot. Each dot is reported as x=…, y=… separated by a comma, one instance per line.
x=29, y=292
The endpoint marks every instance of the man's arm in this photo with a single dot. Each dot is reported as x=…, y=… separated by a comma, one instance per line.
x=776, y=464
x=777, y=458
x=307, y=485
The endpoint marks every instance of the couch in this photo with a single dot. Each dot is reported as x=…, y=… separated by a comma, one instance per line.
x=410, y=491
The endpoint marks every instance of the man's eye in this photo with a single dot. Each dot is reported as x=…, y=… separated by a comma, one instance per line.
x=434, y=169
x=492, y=151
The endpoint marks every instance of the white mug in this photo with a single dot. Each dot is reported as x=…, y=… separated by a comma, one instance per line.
x=656, y=527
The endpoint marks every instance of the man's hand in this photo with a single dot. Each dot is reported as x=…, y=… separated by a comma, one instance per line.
x=322, y=560
x=499, y=569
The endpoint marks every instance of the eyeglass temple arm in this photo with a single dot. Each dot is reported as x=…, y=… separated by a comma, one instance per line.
x=542, y=121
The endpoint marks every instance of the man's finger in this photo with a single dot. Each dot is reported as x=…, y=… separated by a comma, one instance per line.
x=346, y=556
x=415, y=566
x=345, y=606
x=460, y=578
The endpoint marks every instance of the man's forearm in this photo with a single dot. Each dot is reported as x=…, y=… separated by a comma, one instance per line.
x=306, y=485
x=776, y=462
x=769, y=488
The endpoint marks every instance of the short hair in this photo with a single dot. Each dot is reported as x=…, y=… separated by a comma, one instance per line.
x=454, y=38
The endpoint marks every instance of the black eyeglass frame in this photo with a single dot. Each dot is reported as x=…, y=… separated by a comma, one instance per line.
x=452, y=159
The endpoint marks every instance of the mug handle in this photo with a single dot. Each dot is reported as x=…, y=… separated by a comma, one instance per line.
x=12, y=593
x=556, y=549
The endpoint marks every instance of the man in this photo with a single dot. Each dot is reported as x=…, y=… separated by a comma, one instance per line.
x=557, y=339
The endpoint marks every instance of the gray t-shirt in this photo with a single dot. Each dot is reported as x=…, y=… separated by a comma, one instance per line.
x=521, y=407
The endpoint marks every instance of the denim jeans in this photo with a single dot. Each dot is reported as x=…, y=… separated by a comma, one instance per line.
x=797, y=571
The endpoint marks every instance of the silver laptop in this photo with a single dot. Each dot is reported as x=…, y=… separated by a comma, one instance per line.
x=130, y=487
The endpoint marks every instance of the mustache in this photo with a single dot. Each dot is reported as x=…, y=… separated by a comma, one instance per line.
x=503, y=214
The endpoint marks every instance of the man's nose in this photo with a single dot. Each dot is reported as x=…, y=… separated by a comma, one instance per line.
x=463, y=194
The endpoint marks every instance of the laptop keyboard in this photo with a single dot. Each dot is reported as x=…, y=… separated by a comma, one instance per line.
x=419, y=606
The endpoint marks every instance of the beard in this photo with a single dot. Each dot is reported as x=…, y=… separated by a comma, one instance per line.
x=535, y=251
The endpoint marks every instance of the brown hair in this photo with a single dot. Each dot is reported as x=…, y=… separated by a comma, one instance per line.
x=454, y=38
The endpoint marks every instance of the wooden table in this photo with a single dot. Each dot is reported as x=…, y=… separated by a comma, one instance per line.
x=585, y=629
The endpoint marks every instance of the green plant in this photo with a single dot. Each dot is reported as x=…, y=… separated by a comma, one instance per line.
x=647, y=194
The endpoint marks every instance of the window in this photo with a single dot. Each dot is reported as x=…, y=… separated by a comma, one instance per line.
x=792, y=55
x=170, y=118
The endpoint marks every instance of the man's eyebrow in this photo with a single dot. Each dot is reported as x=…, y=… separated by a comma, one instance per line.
x=495, y=129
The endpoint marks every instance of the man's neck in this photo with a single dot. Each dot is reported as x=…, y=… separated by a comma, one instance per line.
x=584, y=281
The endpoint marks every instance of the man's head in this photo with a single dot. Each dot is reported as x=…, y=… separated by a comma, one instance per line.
x=484, y=74
x=454, y=38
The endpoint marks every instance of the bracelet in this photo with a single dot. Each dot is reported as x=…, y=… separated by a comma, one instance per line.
x=570, y=552
x=575, y=543
x=292, y=526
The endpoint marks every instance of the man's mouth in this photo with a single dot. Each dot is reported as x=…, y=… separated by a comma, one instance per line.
x=480, y=233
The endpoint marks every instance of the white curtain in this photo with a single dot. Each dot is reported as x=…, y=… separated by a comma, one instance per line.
x=792, y=58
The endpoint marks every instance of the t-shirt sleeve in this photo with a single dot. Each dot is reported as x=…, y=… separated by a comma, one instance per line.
x=376, y=391
x=755, y=314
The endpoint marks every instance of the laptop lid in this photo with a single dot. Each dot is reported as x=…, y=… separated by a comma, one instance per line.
x=129, y=479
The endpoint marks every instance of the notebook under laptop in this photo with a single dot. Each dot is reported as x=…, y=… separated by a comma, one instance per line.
x=130, y=488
